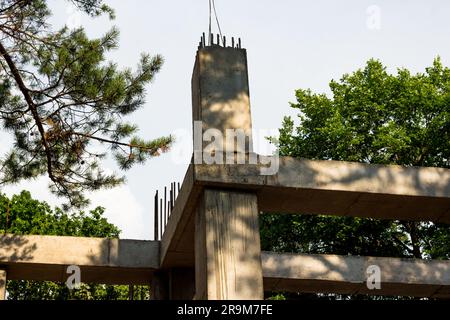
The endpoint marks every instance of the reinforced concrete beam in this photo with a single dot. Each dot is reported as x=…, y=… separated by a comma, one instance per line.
x=348, y=275
x=134, y=262
x=311, y=187
x=108, y=261
x=339, y=188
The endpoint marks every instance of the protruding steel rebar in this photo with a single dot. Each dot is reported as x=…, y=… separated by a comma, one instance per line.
x=160, y=221
x=174, y=195
x=164, y=206
x=165, y=200
x=155, y=236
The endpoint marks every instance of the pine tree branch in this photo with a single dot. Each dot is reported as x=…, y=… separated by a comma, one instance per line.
x=14, y=4
x=24, y=90
x=133, y=146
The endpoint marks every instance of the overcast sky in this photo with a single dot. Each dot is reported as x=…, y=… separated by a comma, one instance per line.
x=291, y=44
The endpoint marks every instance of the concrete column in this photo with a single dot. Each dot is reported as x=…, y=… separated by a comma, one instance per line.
x=181, y=284
x=227, y=247
x=2, y=284
x=227, y=244
x=221, y=101
x=173, y=284
x=159, y=289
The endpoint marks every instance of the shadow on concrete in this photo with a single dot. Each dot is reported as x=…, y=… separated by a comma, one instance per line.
x=349, y=274
x=15, y=248
x=359, y=190
x=327, y=187
x=221, y=100
x=220, y=88
x=380, y=192
x=102, y=261
x=220, y=95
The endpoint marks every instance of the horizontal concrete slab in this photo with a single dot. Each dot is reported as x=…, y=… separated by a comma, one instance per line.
x=109, y=261
x=348, y=275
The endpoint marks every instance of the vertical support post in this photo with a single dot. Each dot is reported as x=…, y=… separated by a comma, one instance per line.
x=173, y=284
x=227, y=240
x=181, y=284
x=160, y=286
x=227, y=247
x=3, y=275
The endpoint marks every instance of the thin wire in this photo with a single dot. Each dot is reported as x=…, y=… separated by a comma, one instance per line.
x=217, y=20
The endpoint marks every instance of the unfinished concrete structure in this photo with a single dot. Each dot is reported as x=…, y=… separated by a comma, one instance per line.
x=210, y=248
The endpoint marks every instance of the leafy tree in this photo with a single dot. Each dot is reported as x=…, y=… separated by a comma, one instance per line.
x=371, y=117
x=64, y=103
x=24, y=215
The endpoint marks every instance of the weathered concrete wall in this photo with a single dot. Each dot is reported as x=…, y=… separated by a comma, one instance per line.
x=348, y=275
x=101, y=260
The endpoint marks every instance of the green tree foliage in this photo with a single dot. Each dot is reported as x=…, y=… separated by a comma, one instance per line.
x=64, y=104
x=24, y=215
x=375, y=117
x=372, y=117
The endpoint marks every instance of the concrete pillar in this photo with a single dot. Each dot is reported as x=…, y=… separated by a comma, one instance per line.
x=181, y=284
x=2, y=284
x=173, y=284
x=227, y=247
x=159, y=288
x=227, y=244
x=221, y=100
